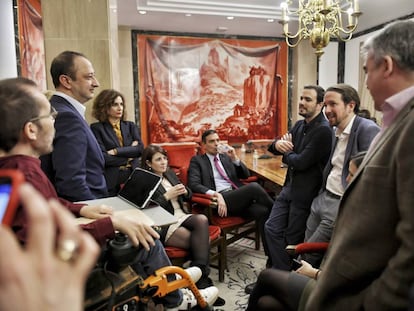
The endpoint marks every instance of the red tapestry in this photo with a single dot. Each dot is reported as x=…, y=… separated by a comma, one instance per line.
x=31, y=41
x=188, y=85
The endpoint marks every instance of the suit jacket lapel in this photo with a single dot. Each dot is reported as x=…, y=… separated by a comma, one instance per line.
x=228, y=170
x=352, y=137
x=111, y=133
x=221, y=157
x=349, y=146
x=124, y=130
x=207, y=163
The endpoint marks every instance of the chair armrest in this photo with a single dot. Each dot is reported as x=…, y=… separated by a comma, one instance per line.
x=203, y=204
x=249, y=179
x=307, y=247
x=204, y=199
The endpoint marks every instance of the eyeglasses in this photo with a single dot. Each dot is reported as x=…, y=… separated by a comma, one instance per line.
x=53, y=114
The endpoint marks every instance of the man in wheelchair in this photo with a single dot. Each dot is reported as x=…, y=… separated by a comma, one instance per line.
x=27, y=131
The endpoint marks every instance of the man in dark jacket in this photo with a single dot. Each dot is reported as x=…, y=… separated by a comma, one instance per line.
x=305, y=150
x=76, y=165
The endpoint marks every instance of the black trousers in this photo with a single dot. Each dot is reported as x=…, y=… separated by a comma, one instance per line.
x=253, y=201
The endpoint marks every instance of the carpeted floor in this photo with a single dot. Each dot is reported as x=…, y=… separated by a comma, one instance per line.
x=244, y=264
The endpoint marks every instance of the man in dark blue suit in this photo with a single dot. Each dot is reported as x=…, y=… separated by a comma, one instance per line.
x=76, y=165
x=205, y=175
x=305, y=150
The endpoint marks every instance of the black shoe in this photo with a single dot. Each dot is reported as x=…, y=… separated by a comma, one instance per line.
x=219, y=302
x=204, y=282
x=249, y=288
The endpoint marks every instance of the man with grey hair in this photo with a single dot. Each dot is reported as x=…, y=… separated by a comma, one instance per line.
x=370, y=262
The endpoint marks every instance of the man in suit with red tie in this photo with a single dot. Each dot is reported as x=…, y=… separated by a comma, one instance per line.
x=218, y=174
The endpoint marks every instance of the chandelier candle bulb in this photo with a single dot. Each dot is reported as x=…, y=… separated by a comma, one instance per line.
x=285, y=28
x=350, y=19
x=283, y=5
x=356, y=6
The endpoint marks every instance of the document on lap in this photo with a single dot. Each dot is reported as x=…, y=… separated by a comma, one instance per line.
x=133, y=212
x=153, y=214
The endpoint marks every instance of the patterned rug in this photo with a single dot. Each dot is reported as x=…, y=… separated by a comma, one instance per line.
x=244, y=264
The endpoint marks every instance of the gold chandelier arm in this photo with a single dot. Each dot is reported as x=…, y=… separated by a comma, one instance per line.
x=337, y=28
x=299, y=34
x=343, y=39
x=293, y=40
x=295, y=44
x=319, y=20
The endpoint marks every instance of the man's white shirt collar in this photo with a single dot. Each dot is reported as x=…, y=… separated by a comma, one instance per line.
x=347, y=129
x=77, y=105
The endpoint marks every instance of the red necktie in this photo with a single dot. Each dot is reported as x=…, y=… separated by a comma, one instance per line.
x=223, y=173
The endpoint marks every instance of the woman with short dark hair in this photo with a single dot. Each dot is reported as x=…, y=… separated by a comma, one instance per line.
x=191, y=230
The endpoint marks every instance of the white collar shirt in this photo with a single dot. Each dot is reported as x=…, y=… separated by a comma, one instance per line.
x=334, y=181
x=220, y=182
x=77, y=105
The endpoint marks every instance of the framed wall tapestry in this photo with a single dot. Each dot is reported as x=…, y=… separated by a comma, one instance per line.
x=189, y=84
x=31, y=41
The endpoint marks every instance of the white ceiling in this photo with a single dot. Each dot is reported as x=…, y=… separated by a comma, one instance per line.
x=250, y=16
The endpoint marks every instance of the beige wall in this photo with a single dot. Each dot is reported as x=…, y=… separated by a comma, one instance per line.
x=126, y=71
x=304, y=68
x=86, y=26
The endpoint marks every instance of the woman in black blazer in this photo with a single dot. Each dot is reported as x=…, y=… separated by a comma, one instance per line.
x=118, y=139
x=191, y=230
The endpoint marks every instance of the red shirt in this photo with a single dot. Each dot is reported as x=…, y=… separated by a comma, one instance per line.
x=101, y=229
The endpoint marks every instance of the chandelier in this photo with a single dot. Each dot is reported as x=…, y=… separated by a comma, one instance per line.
x=319, y=20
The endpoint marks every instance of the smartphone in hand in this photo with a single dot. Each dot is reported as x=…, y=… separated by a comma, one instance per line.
x=296, y=264
x=9, y=198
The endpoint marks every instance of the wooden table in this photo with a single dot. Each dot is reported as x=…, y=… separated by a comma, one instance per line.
x=270, y=169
